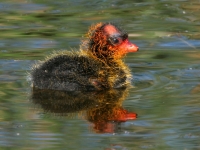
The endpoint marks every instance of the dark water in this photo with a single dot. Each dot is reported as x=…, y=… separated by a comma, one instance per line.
x=166, y=74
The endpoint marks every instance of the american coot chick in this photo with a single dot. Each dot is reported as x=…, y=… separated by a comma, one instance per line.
x=97, y=66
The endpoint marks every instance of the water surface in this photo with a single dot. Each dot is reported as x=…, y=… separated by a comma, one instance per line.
x=166, y=74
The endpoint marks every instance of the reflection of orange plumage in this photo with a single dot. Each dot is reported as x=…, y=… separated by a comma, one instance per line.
x=122, y=115
x=109, y=112
x=96, y=66
x=105, y=122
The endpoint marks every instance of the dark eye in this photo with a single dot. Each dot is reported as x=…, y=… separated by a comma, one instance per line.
x=115, y=40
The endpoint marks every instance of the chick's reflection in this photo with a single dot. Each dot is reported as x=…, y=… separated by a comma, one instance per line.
x=102, y=108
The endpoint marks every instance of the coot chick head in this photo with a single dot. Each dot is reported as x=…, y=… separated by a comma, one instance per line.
x=107, y=42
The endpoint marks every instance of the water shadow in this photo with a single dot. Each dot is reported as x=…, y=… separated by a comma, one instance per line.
x=103, y=109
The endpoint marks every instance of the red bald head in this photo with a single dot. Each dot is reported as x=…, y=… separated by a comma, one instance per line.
x=109, y=41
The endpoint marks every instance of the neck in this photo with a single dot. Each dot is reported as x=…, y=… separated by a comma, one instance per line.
x=107, y=58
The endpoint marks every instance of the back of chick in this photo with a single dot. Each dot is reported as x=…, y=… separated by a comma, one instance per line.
x=77, y=72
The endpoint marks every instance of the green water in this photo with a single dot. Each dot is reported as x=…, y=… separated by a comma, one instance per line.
x=166, y=75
